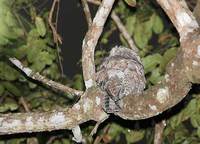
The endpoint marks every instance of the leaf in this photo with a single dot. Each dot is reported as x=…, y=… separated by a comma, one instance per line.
x=7, y=72
x=133, y=136
x=130, y=24
x=185, y=114
x=12, y=88
x=189, y=110
x=9, y=28
x=43, y=59
x=176, y=120
x=34, y=48
x=40, y=25
x=143, y=33
x=47, y=105
x=170, y=53
x=32, y=36
x=65, y=141
x=115, y=130
x=20, y=52
x=35, y=103
x=1, y=89
x=2, y=142
x=155, y=76
x=157, y=24
x=16, y=141
x=8, y=106
x=52, y=71
x=78, y=82
x=32, y=85
x=198, y=132
x=123, y=40
x=195, y=121
x=151, y=61
x=167, y=57
x=131, y=3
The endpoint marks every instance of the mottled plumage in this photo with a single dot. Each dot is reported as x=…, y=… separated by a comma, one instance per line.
x=120, y=74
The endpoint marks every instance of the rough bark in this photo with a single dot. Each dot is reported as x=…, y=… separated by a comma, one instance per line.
x=181, y=72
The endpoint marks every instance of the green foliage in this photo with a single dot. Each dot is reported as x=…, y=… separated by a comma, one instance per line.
x=131, y=2
x=132, y=136
x=7, y=72
x=9, y=105
x=154, y=65
x=30, y=40
x=185, y=125
x=9, y=27
x=78, y=82
x=40, y=26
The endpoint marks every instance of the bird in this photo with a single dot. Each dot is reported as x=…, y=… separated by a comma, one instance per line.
x=119, y=75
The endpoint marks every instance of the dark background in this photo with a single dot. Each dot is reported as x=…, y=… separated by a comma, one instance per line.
x=72, y=27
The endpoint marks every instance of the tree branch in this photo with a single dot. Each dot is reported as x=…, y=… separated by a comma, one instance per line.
x=88, y=108
x=124, y=32
x=180, y=73
x=158, y=132
x=196, y=11
x=87, y=12
x=156, y=99
x=180, y=15
x=56, y=36
x=90, y=42
x=120, y=26
x=44, y=80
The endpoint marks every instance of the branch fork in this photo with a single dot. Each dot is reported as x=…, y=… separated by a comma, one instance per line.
x=181, y=72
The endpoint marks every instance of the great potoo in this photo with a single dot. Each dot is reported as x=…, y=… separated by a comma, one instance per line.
x=120, y=74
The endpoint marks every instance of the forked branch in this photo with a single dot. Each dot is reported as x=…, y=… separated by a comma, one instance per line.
x=180, y=73
x=90, y=42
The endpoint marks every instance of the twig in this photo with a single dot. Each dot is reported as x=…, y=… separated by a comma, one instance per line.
x=87, y=12
x=124, y=32
x=90, y=42
x=23, y=102
x=56, y=36
x=158, y=134
x=44, y=80
x=99, y=138
x=120, y=26
x=97, y=126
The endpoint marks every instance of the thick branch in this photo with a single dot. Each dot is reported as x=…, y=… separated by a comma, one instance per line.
x=90, y=42
x=44, y=80
x=161, y=97
x=180, y=16
x=88, y=108
x=183, y=70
